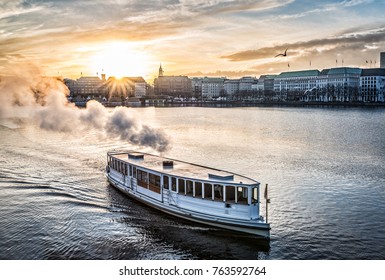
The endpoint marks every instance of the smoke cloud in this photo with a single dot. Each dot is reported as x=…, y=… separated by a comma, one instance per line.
x=43, y=100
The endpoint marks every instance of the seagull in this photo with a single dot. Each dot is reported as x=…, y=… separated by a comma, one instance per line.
x=282, y=54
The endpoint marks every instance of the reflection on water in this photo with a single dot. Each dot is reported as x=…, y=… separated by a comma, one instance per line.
x=324, y=166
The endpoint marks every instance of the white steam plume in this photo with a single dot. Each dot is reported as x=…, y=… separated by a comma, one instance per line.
x=26, y=94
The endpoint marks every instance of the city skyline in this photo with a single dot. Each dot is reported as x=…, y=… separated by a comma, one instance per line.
x=193, y=38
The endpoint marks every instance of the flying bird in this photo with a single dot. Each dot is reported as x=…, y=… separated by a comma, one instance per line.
x=282, y=54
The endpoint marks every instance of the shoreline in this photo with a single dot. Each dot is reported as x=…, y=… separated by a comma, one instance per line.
x=228, y=104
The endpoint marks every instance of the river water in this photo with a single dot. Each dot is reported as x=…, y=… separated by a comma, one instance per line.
x=325, y=168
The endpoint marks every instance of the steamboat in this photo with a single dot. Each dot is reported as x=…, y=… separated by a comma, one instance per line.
x=193, y=192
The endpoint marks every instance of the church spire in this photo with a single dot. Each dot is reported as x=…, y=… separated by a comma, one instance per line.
x=160, y=71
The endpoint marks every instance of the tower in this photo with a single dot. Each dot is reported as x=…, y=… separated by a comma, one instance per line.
x=160, y=71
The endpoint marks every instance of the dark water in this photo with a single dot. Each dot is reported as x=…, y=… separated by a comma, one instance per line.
x=325, y=169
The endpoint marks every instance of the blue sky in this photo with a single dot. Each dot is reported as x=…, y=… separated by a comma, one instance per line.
x=196, y=37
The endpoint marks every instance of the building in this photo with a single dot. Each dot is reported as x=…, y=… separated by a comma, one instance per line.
x=336, y=84
x=213, y=87
x=246, y=84
x=382, y=59
x=372, y=85
x=70, y=83
x=176, y=86
x=125, y=87
x=140, y=86
x=196, y=84
x=266, y=83
x=87, y=87
x=291, y=86
x=342, y=84
x=231, y=86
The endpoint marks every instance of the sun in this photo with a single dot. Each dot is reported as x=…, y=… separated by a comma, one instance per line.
x=120, y=59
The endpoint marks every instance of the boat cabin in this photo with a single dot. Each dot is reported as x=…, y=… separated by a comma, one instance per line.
x=187, y=186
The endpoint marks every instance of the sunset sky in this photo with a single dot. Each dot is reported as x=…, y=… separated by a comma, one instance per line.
x=189, y=37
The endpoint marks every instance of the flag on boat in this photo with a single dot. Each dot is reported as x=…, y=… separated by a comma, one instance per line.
x=266, y=195
x=266, y=192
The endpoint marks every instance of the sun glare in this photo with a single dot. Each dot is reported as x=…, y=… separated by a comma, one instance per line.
x=120, y=59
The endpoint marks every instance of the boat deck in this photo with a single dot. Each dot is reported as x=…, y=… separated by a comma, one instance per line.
x=182, y=169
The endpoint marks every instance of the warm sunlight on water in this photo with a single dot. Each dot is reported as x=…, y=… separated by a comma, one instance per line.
x=325, y=168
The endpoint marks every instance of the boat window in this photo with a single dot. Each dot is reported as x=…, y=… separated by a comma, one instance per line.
x=157, y=181
x=154, y=184
x=189, y=187
x=125, y=169
x=208, y=191
x=142, y=178
x=173, y=184
x=255, y=198
x=165, y=182
x=218, y=192
x=198, y=189
x=181, y=186
x=134, y=171
x=230, y=194
x=152, y=178
x=242, y=195
x=130, y=169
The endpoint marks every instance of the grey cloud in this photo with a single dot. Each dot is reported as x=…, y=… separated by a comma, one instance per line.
x=348, y=41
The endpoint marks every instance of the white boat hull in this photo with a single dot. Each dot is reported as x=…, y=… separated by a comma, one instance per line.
x=253, y=226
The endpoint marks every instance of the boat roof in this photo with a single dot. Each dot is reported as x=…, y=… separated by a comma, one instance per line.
x=183, y=169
